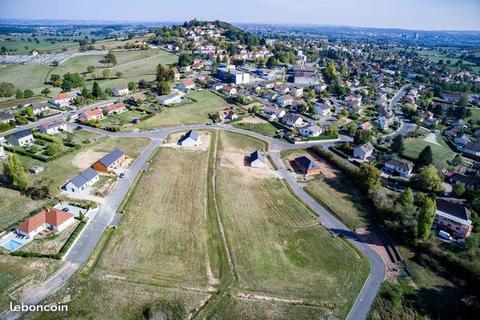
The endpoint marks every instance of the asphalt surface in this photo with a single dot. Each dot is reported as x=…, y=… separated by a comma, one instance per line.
x=83, y=247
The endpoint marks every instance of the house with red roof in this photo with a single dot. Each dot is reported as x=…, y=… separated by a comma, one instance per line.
x=94, y=114
x=63, y=99
x=186, y=84
x=47, y=219
x=115, y=108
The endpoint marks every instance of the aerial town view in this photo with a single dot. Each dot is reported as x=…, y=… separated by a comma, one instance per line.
x=268, y=159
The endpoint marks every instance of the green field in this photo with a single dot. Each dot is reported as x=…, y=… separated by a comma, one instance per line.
x=278, y=246
x=341, y=197
x=192, y=113
x=21, y=47
x=475, y=114
x=441, y=151
x=135, y=65
x=266, y=129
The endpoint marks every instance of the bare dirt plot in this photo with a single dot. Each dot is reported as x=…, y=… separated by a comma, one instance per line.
x=253, y=120
x=161, y=239
x=85, y=159
x=204, y=143
x=326, y=170
x=279, y=248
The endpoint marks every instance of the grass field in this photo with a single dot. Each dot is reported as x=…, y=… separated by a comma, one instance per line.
x=193, y=113
x=17, y=271
x=341, y=196
x=135, y=65
x=441, y=151
x=475, y=114
x=278, y=246
x=162, y=239
x=266, y=129
x=20, y=47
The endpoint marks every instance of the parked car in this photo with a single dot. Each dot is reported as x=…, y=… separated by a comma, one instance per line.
x=444, y=235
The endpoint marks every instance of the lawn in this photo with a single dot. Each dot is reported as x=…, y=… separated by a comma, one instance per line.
x=120, y=119
x=28, y=76
x=441, y=151
x=192, y=113
x=266, y=129
x=161, y=239
x=475, y=114
x=279, y=248
x=341, y=196
x=17, y=271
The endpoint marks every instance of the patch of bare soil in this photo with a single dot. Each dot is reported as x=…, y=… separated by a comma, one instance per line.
x=241, y=163
x=85, y=159
x=326, y=169
x=253, y=120
x=377, y=245
x=204, y=143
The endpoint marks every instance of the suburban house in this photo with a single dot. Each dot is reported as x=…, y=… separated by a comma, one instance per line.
x=94, y=114
x=228, y=90
x=468, y=181
x=323, y=109
x=384, y=122
x=292, y=120
x=47, y=219
x=190, y=139
x=282, y=89
x=172, y=98
x=21, y=138
x=257, y=160
x=115, y=108
x=53, y=127
x=364, y=151
x=186, y=84
x=121, y=90
x=138, y=97
x=81, y=181
x=366, y=126
x=273, y=112
x=297, y=92
x=401, y=167
x=307, y=166
x=472, y=148
x=285, y=100
x=38, y=108
x=270, y=95
x=227, y=114
x=353, y=102
x=6, y=117
x=63, y=99
x=461, y=139
x=453, y=217
x=310, y=130
x=110, y=161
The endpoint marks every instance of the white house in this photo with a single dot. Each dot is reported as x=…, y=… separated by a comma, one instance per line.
x=257, y=160
x=403, y=168
x=364, y=151
x=285, y=100
x=323, y=109
x=384, y=122
x=51, y=218
x=292, y=120
x=53, y=127
x=186, y=84
x=63, y=99
x=6, y=117
x=82, y=181
x=121, y=90
x=311, y=131
x=38, y=108
x=172, y=98
x=21, y=138
x=190, y=139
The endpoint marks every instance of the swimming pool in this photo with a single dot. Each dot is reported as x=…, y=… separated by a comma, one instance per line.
x=12, y=245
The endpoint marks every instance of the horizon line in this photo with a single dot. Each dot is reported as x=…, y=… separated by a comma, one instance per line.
x=233, y=23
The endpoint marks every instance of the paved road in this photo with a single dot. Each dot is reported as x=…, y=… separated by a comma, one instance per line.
x=85, y=244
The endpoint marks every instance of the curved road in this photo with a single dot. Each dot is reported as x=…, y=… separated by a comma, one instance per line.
x=83, y=247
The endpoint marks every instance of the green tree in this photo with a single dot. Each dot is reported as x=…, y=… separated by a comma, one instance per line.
x=7, y=89
x=54, y=148
x=369, y=177
x=90, y=69
x=119, y=74
x=19, y=94
x=27, y=93
x=426, y=215
x=96, y=90
x=406, y=199
x=163, y=88
x=107, y=73
x=109, y=59
x=425, y=158
x=45, y=92
x=398, y=145
x=458, y=189
x=428, y=179
x=14, y=172
x=29, y=111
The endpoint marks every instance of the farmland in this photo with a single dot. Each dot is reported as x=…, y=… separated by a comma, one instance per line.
x=192, y=113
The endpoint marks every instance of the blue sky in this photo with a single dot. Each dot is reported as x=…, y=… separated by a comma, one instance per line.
x=410, y=14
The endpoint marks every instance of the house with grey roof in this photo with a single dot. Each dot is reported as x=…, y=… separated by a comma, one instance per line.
x=38, y=108
x=190, y=139
x=364, y=151
x=21, y=138
x=110, y=161
x=6, y=117
x=453, y=217
x=257, y=160
x=81, y=181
